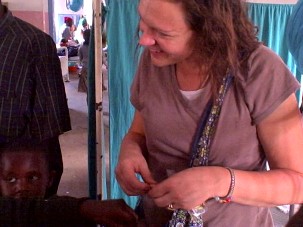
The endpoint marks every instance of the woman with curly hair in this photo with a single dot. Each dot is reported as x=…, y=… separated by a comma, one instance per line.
x=213, y=106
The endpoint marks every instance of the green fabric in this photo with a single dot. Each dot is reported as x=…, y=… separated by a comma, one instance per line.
x=122, y=22
x=272, y=19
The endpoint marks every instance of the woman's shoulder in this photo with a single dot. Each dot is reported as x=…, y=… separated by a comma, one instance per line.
x=264, y=54
x=263, y=62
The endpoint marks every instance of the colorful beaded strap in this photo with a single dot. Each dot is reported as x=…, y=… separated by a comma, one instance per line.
x=200, y=150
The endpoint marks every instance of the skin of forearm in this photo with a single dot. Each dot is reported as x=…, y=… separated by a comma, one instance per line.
x=268, y=188
x=133, y=143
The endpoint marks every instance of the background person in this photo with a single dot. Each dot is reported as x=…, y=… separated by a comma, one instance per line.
x=67, y=32
x=83, y=54
x=32, y=93
x=209, y=96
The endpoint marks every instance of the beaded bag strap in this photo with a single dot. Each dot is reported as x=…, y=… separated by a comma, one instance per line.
x=208, y=125
x=201, y=148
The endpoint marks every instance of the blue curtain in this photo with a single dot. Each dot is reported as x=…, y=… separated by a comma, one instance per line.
x=122, y=21
x=294, y=34
x=272, y=20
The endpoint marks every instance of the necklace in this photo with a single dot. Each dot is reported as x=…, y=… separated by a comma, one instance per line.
x=190, y=81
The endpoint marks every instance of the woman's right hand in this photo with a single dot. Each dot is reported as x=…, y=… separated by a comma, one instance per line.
x=131, y=163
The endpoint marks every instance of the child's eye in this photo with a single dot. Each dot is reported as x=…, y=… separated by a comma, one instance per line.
x=11, y=179
x=33, y=178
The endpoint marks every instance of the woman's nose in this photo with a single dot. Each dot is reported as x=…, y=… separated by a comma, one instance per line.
x=146, y=40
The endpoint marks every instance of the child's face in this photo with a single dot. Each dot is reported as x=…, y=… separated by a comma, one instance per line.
x=24, y=174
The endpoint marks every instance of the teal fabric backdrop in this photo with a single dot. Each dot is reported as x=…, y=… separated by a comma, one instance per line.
x=122, y=22
x=294, y=34
x=272, y=21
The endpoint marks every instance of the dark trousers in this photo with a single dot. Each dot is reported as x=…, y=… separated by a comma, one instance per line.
x=55, y=163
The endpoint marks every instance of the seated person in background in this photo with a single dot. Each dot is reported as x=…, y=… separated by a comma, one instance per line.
x=67, y=32
x=63, y=43
x=24, y=179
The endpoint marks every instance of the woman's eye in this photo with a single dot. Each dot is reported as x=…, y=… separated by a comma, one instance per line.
x=163, y=34
x=166, y=34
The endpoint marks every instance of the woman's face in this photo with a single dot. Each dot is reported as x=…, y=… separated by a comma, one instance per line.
x=24, y=174
x=164, y=32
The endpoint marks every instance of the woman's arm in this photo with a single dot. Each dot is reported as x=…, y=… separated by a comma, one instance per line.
x=281, y=136
x=282, y=139
x=132, y=161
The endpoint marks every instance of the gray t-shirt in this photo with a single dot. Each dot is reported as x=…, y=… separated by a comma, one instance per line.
x=170, y=122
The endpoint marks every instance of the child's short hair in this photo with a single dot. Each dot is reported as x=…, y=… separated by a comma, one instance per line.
x=26, y=145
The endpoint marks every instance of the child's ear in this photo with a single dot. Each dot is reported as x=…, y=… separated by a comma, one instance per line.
x=51, y=178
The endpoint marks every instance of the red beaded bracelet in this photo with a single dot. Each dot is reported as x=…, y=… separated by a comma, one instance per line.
x=227, y=198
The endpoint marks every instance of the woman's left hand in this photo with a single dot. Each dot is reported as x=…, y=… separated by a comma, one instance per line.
x=191, y=187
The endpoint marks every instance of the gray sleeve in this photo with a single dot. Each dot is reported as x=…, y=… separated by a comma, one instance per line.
x=268, y=83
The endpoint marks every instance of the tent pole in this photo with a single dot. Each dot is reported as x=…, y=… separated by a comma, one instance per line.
x=99, y=98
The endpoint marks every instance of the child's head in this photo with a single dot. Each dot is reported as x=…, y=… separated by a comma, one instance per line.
x=24, y=169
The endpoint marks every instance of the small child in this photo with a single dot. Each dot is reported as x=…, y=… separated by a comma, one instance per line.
x=24, y=179
x=24, y=169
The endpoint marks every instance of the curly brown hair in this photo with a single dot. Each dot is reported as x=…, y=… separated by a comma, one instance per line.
x=225, y=37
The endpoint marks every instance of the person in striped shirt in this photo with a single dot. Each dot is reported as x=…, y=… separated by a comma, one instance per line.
x=33, y=102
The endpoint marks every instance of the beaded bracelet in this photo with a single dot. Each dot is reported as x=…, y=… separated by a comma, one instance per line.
x=227, y=198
